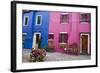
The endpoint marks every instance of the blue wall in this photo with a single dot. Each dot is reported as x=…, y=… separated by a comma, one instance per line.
x=28, y=30
x=32, y=28
x=43, y=28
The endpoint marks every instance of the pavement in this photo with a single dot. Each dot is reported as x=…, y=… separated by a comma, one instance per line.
x=54, y=56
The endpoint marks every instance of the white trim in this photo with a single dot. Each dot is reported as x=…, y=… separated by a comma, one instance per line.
x=62, y=43
x=84, y=13
x=51, y=33
x=37, y=20
x=34, y=39
x=84, y=23
x=24, y=20
x=80, y=44
x=63, y=33
x=24, y=33
x=64, y=23
x=64, y=13
x=88, y=42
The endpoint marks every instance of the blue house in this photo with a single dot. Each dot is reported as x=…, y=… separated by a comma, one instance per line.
x=35, y=26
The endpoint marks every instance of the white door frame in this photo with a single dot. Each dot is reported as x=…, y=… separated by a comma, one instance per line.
x=34, y=39
x=88, y=42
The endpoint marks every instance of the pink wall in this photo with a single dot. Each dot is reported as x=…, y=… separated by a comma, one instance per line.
x=73, y=28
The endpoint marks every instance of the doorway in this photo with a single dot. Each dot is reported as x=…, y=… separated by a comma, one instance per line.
x=36, y=39
x=85, y=43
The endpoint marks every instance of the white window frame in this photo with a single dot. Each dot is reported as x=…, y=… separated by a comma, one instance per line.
x=64, y=14
x=37, y=19
x=24, y=33
x=63, y=32
x=24, y=20
x=51, y=33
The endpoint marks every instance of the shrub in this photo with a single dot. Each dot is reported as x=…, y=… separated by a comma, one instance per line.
x=37, y=55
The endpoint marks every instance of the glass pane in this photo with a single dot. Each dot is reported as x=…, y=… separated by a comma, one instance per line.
x=64, y=18
x=26, y=20
x=51, y=36
x=85, y=17
x=38, y=19
x=63, y=38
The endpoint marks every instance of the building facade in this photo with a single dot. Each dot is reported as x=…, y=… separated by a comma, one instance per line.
x=35, y=29
x=57, y=30
x=70, y=28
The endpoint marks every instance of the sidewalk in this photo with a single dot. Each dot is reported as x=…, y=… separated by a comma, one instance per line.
x=55, y=56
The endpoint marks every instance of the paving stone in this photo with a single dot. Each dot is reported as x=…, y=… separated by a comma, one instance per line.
x=54, y=56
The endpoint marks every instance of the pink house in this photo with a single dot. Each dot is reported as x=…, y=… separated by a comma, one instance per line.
x=68, y=28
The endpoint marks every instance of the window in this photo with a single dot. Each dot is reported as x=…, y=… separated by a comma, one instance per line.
x=23, y=37
x=26, y=19
x=64, y=18
x=38, y=20
x=51, y=36
x=63, y=37
x=85, y=17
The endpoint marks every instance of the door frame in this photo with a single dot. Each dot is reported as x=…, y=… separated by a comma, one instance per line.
x=34, y=38
x=88, y=42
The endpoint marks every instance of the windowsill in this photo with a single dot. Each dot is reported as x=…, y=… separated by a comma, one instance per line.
x=63, y=32
x=25, y=25
x=85, y=23
x=50, y=39
x=65, y=23
x=38, y=24
x=24, y=33
x=62, y=43
x=51, y=33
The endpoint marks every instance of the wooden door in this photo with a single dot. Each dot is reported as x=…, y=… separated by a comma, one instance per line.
x=84, y=44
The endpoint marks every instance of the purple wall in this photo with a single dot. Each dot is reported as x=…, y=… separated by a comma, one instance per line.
x=74, y=27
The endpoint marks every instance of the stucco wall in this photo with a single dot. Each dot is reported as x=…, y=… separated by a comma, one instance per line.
x=43, y=28
x=28, y=30
x=74, y=27
x=32, y=28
